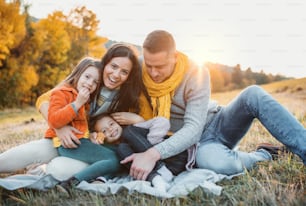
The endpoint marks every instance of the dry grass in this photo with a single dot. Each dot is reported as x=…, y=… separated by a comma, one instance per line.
x=280, y=182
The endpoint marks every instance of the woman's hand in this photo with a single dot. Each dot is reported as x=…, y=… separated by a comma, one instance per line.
x=126, y=118
x=67, y=136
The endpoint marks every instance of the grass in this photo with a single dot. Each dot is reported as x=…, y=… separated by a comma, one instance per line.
x=279, y=182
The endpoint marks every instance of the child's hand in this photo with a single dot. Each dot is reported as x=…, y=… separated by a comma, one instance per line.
x=83, y=96
x=97, y=137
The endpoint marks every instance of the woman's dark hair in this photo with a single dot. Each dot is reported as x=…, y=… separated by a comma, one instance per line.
x=127, y=98
x=73, y=78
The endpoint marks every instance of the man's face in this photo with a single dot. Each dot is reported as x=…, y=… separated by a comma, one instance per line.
x=160, y=65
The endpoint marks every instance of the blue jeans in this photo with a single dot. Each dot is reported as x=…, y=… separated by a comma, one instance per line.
x=231, y=123
x=103, y=159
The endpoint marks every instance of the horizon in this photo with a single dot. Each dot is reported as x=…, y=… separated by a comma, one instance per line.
x=227, y=32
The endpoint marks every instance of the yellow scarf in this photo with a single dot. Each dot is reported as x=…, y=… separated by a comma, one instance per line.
x=162, y=93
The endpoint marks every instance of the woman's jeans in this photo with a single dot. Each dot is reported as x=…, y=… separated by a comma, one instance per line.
x=103, y=159
x=135, y=140
x=231, y=123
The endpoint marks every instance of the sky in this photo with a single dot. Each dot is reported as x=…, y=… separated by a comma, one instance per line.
x=268, y=35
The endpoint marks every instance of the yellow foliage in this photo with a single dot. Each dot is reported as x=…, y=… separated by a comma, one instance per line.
x=12, y=28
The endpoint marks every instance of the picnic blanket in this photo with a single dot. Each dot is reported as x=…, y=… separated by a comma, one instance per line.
x=181, y=185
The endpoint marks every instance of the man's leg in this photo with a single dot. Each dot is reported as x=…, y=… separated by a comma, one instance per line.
x=234, y=120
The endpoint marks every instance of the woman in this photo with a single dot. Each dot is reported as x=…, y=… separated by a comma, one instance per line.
x=121, y=88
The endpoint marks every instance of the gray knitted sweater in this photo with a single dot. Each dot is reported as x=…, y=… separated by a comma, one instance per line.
x=188, y=114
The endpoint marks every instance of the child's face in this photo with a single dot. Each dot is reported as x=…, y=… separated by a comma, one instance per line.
x=110, y=128
x=89, y=79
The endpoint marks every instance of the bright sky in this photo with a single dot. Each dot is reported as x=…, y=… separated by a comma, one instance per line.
x=261, y=34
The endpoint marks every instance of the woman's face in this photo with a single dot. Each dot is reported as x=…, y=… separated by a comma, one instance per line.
x=116, y=72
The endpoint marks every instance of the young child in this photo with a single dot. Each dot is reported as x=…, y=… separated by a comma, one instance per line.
x=68, y=104
x=109, y=131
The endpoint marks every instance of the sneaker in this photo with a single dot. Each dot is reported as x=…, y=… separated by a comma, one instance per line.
x=274, y=150
x=99, y=180
x=165, y=173
x=160, y=184
x=65, y=186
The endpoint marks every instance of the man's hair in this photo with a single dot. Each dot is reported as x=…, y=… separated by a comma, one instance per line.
x=159, y=40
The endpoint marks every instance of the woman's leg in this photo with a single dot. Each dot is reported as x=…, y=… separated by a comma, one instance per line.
x=62, y=168
x=19, y=157
x=103, y=161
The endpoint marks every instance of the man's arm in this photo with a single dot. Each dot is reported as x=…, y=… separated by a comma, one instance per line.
x=196, y=94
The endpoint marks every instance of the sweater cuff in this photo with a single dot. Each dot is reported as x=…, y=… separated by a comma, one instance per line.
x=74, y=108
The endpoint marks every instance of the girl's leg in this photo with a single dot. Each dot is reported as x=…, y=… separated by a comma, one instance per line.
x=103, y=161
x=136, y=137
x=177, y=163
x=124, y=150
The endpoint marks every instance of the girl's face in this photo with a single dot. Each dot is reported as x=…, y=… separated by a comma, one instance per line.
x=116, y=72
x=110, y=128
x=89, y=79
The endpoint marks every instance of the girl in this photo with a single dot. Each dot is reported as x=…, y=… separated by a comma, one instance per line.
x=68, y=104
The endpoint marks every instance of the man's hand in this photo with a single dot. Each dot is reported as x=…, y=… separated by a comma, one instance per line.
x=67, y=136
x=142, y=163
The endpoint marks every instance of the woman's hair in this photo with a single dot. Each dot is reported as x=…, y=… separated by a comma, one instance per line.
x=73, y=78
x=127, y=98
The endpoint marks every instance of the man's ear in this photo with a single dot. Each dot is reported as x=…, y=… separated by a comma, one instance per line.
x=175, y=56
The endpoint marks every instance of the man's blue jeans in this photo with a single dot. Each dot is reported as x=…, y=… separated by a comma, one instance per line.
x=103, y=159
x=231, y=123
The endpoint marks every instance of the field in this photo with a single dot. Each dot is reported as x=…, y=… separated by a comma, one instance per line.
x=280, y=182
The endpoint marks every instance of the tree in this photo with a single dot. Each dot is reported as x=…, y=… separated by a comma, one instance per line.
x=51, y=44
x=237, y=76
x=217, y=80
x=12, y=28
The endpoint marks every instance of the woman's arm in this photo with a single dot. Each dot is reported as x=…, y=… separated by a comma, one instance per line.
x=127, y=118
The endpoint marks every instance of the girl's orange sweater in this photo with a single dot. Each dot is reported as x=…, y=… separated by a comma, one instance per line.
x=61, y=112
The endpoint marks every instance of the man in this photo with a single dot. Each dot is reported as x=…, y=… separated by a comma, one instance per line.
x=181, y=91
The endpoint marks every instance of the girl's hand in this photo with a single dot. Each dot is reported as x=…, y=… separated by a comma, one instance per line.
x=97, y=137
x=82, y=98
x=126, y=118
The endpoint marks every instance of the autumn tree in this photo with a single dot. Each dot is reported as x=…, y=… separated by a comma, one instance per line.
x=216, y=79
x=12, y=28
